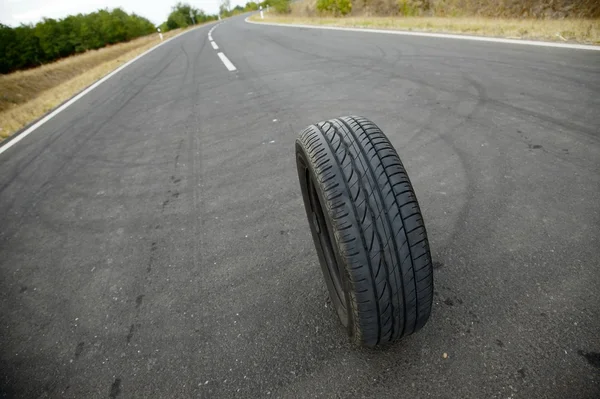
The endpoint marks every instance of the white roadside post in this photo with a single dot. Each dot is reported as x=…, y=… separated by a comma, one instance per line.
x=262, y=16
x=160, y=34
x=192, y=17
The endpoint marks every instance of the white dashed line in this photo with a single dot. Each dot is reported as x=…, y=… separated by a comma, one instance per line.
x=211, y=31
x=228, y=64
x=226, y=61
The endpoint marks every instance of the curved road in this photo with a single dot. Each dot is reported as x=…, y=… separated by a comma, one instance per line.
x=153, y=241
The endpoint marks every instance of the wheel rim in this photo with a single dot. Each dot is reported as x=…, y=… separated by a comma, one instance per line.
x=324, y=233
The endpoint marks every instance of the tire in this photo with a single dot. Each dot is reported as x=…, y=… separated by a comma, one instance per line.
x=367, y=228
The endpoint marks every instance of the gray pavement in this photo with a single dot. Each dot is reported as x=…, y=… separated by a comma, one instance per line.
x=153, y=241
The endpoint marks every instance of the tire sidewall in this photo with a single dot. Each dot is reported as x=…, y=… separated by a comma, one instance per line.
x=303, y=164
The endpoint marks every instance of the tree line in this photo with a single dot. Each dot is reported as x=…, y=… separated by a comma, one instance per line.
x=28, y=46
x=278, y=6
x=181, y=17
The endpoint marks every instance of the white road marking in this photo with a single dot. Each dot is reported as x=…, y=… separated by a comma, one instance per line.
x=32, y=128
x=439, y=35
x=211, y=31
x=226, y=61
x=228, y=64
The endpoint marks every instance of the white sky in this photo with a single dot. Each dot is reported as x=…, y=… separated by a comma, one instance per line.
x=15, y=12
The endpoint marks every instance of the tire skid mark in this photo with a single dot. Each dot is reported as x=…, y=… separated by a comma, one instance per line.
x=74, y=148
x=171, y=194
x=472, y=169
x=115, y=389
x=365, y=69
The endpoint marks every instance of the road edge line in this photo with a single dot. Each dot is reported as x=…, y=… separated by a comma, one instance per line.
x=437, y=35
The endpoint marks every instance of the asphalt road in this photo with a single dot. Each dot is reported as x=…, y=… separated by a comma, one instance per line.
x=153, y=241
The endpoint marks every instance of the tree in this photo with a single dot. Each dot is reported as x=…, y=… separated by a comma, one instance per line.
x=180, y=16
x=9, y=51
x=27, y=45
x=224, y=7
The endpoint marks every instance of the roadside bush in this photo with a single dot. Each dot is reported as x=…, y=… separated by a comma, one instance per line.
x=237, y=10
x=410, y=8
x=251, y=6
x=226, y=11
x=280, y=6
x=518, y=8
x=335, y=7
x=180, y=17
x=375, y=7
x=455, y=8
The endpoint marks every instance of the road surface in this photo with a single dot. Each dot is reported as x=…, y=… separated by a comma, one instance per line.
x=153, y=242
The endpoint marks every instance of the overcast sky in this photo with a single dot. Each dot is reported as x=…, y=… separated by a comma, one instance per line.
x=15, y=12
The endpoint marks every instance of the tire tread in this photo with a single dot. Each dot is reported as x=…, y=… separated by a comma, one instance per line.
x=378, y=225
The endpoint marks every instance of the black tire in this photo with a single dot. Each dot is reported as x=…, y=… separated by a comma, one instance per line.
x=367, y=228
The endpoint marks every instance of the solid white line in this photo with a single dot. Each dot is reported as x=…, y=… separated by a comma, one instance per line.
x=58, y=110
x=439, y=35
x=226, y=61
x=214, y=45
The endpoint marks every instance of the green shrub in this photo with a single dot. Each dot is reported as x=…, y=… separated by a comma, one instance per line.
x=325, y=5
x=409, y=8
x=344, y=6
x=251, y=6
x=336, y=7
x=280, y=6
x=180, y=16
x=454, y=8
